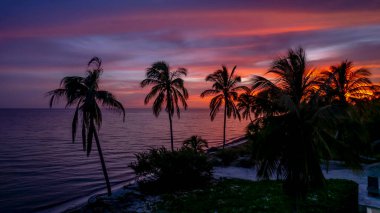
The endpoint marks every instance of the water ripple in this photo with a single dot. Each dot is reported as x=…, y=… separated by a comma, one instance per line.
x=42, y=170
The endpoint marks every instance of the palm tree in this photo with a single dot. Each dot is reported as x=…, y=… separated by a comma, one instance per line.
x=245, y=104
x=196, y=143
x=84, y=94
x=292, y=136
x=345, y=86
x=168, y=88
x=225, y=90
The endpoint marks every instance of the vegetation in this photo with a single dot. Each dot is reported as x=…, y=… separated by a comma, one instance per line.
x=84, y=94
x=343, y=85
x=196, y=143
x=160, y=170
x=168, y=88
x=293, y=135
x=226, y=91
x=299, y=118
x=245, y=104
x=264, y=196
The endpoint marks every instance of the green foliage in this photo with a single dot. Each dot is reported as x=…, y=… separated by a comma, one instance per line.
x=168, y=171
x=263, y=196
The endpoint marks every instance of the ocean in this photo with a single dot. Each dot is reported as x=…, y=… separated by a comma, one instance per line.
x=41, y=170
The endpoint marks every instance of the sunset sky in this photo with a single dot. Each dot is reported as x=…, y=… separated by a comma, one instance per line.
x=41, y=41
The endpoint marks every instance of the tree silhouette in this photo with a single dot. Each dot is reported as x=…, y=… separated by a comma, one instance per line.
x=292, y=136
x=225, y=90
x=84, y=94
x=245, y=104
x=345, y=86
x=196, y=143
x=168, y=88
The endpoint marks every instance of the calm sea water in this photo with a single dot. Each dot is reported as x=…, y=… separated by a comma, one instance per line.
x=41, y=170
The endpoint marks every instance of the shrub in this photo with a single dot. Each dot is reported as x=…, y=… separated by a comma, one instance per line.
x=196, y=143
x=169, y=171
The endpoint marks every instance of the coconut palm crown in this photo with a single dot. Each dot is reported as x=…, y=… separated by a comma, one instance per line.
x=346, y=85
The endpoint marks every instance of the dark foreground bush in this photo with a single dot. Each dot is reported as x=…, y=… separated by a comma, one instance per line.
x=263, y=196
x=170, y=171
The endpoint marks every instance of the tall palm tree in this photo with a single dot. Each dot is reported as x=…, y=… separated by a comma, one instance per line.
x=84, y=94
x=292, y=136
x=226, y=91
x=346, y=85
x=168, y=88
x=196, y=143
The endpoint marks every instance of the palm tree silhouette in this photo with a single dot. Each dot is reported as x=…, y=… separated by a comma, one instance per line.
x=344, y=85
x=225, y=90
x=245, y=104
x=168, y=88
x=291, y=135
x=84, y=94
x=196, y=143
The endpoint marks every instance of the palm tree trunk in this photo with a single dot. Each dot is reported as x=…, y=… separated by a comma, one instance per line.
x=250, y=118
x=171, y=132
x=102, y=161
x=224, y=127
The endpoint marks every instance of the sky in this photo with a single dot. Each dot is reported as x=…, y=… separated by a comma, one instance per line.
x=42, y=41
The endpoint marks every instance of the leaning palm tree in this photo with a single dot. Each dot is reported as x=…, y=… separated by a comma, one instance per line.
x=196, y=143
x=226, y=91
x=168, y=88
x=345, y=86
x=84, y=94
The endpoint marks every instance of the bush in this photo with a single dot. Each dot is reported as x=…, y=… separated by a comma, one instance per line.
x=162, y=170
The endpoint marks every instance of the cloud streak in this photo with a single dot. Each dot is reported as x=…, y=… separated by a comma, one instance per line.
x=43, y=41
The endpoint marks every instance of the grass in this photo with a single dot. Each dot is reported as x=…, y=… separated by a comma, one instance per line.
x=235, y=195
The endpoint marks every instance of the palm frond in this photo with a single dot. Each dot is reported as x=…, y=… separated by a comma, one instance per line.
x=75, y=123
x=157, y=105
x=209, y=92
x=215, y=104
x=108, y=100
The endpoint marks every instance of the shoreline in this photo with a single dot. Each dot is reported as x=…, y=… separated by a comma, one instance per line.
x=78, y=204
x=233, y=172
x=336, y=171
